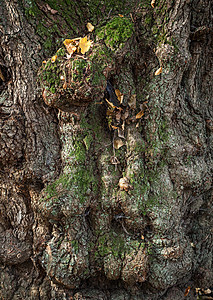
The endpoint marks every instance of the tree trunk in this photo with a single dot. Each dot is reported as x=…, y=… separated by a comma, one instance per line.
x=111, y=200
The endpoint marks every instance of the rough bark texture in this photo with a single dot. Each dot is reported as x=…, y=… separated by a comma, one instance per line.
x=80, y=218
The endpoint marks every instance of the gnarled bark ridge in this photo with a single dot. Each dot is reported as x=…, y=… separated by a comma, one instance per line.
x=111, y=200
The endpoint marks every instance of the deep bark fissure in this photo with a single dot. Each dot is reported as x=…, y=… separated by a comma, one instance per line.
x=80, y=218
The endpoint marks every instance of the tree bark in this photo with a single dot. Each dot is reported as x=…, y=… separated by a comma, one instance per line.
x=99, y=201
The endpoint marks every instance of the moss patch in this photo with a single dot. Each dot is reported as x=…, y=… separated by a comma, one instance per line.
x=116, y=32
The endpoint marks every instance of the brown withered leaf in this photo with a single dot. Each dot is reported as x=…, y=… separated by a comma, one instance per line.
x=140, y=114
x=118, y=143
x=187, y=291
x=110, y=103
x=119, y=95
x=159, y=71
x=114, y=127
x=71, y=45
x=71, y=48
x=90, y=27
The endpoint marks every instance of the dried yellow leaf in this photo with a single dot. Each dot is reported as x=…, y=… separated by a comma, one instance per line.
x=110, y=103
x=159, y=71
x=67, y=42
x=114, y=127
x=140, y=114
x=119, y=95
x=53, y=59
x=70, y=45
x=64, y=85
x=84, y=44
x=73, y=41
x=71, y=49
x=44, y=62
x=120, y=15
x=118, y=143
x=90, y=27
x=153, y=3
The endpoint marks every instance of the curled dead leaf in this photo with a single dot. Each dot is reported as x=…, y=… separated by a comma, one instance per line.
x=187, y=291
x=119, y=95
x=124, y=184
x=84, y=44
x=118, y=143
x=140, y=114
x=159, y=71
x=153, y=3
x=71, y=49
x=90, y=27
x=53, y=59
x=110, y=103
x=114, y=127
x=67, y=42
x=71, y=45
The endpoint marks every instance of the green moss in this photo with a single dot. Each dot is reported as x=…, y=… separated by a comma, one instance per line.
x=78, y=179
x=101, y=59
x=116, y=32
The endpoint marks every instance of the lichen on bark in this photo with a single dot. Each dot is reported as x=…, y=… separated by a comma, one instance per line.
x=69, y=228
